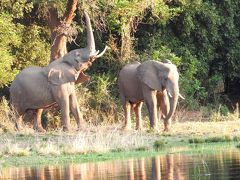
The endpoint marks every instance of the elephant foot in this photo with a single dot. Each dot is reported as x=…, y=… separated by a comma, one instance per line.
x=40, y=130
x=126, y=128
x=18, y=127
x=153, y=130
x=66, y=128
x=139, y=128
x=82, y=126
x=167, y=129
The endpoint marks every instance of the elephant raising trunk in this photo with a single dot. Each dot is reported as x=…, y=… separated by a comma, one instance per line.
x=36, y=88
x=93, y=54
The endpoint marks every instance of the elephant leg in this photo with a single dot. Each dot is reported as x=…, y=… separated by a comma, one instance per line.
x=62, y=99
x=137, y=110
x=159, y=110
x=165, y=106
x=18, y=113
x=37, y=121
x=127, y=114
x=18, y=123
x=151, y=102
x=65, y=118
x=75, y=111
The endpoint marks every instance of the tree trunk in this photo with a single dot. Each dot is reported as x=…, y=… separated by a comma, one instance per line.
x=59, y=41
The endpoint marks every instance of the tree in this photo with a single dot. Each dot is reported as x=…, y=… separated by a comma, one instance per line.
x=61, y=30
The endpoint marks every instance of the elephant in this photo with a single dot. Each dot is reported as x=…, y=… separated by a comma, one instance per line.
x=36, y=88
x=151, y=81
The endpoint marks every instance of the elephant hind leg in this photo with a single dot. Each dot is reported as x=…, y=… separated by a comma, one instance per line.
x=37, y=121
x=17, y=116
x=137, y=109
x=127, y=114
x=18, y=123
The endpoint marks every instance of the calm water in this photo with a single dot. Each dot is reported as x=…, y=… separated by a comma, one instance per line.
x=174, y=166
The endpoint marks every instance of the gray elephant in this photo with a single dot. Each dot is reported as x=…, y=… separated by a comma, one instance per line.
x=36, y=88
x=154, y=82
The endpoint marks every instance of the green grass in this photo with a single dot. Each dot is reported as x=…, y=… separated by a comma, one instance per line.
x=159, y=145
x=36, y=159
x=226, y=138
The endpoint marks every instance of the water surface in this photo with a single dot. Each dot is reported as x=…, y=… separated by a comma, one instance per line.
x=225, y=165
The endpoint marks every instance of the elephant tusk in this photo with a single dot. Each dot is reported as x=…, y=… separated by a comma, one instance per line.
x=169, y=94
x=99, y=55
x=181, y=96
x=93, y=57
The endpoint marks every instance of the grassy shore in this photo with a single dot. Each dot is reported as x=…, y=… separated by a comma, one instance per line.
x=97, y=143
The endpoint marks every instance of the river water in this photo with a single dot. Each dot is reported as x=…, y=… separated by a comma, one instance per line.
x=225, y=165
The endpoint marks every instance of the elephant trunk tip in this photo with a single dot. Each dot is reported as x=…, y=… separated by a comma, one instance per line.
x=90, y=37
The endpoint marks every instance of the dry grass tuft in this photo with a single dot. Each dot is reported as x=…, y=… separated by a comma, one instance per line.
x=7, y=117
x=95, y=139
x=16, y=150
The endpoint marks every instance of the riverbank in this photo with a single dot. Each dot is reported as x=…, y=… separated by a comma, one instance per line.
x=110, y=142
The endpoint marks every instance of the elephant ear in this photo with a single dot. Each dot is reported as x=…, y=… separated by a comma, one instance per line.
x=60, y=76
x=148, y=73
x=82, y=78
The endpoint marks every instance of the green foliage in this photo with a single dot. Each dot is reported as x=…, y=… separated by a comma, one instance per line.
x=218, y=139
x=196, y=140
x=21, y=45
x=16, y=8
x=10, y=38
x=101, y=99
x=159, y=145
x=211, y=140
x=34, y=50
x=164, y=52
x=44, y=5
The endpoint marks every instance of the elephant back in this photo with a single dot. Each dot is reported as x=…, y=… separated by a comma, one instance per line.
x=148, y=73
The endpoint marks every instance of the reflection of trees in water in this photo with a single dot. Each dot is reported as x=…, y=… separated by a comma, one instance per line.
x=169, y=167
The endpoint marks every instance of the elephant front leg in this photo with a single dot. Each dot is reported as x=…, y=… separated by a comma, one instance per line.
x=65, y=118
x=37, y=121
x=137, y=109
x=151, y=101
x=127, y=114
x=75, y=111
x=61, y=95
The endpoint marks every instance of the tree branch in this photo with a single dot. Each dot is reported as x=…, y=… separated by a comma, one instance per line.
x=69, y=13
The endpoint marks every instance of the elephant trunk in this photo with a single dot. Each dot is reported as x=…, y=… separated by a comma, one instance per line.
x=173, y=103
x=90, y=37
x=91, y=42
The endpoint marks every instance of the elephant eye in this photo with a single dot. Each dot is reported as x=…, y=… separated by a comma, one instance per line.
x=77, y=54
x=76, y=60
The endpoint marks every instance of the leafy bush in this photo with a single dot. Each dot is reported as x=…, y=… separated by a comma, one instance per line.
x=159, y=145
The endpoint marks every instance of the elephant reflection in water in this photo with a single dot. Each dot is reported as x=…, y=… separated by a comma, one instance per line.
x=166, y=167
x=161, y=167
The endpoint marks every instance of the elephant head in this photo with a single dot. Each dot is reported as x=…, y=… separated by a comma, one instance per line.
x=159, y=76
x=77, y=60
x=87, y=55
